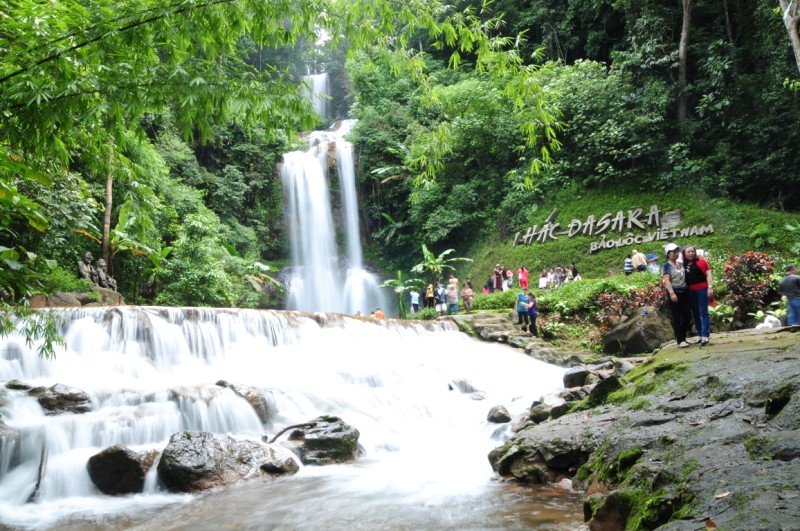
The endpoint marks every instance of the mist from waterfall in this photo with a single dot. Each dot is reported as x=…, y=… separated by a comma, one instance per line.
x=152, y=372
x=321, y=279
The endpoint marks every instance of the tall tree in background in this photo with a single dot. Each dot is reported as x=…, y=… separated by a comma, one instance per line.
x=791, y=19
x=683, y=57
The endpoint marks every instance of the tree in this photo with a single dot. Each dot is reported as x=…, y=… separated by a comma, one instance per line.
x=791, y=19
x=436, y=265
x=683, y=57
x=400, y=287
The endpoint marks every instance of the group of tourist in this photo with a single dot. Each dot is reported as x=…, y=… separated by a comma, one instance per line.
x=503, y=278
x=527, y=312
x=558, y=276
x=443, y=299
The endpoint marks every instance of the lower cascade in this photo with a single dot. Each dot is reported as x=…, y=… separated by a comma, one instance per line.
x=417, y=395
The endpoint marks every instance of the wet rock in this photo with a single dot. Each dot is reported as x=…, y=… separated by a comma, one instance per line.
x=16, y=385
x=261, y=400
x=639, y=334
x=195, y=461
x=606, y=512
x=323, y=441
x=575, y=377
x=463, y=386
x=61, y=398
x=498, y=415
x=120, y=470
x=600, y=391
x=539, y=412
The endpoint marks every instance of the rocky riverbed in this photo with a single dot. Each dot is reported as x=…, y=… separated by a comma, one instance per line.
x=691, y=439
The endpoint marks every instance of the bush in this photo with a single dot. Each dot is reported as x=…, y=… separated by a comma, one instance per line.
x=748, y=281
x=426, y=314
x=57, y=279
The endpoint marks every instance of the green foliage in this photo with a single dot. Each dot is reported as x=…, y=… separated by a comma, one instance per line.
x=748, y=280
x=426, y=314
x=36, y=327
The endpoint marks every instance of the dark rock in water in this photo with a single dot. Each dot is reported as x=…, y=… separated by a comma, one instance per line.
x=16, y=385
x=323, y=441
x=641, y=333
x=120, y=470
x=498, y=415
x=195, y=461
x=575, y=377
x=600, y=391
x=61, y=398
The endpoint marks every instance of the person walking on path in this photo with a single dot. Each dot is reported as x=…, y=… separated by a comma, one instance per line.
x=678, y=299
x=790, y=287
x=700, y=284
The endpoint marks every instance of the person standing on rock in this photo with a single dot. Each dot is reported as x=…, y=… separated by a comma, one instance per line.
x=790, y=287
x=678, y=299
x=533, y=312
x=699, y=282
x=522, y=311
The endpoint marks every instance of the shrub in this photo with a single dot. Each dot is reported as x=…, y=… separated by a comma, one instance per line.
x=748, y=281
x=615, y=305
x=426, y=314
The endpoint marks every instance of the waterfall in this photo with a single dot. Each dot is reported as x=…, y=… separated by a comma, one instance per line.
x=151, y=372
x=318, y=92
x=319, y=280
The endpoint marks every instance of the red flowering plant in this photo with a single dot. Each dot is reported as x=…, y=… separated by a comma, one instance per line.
x=614, y=306
x=749, y=284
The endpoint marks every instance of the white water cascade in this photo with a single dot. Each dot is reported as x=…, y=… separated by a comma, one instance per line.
x=319, y=280
x=318, y=92
x=152, y=372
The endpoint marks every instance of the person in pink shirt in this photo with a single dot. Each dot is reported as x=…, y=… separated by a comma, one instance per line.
x=522, y=275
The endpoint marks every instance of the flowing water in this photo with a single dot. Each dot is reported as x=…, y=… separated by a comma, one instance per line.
x=151, y=372
x=322, y=278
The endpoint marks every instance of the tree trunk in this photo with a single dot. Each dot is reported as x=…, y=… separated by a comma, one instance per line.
x=791, y=19
x=683, y=58
x=106, y=246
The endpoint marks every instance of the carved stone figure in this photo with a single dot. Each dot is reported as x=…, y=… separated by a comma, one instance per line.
x=85, y=269
x=104, y=280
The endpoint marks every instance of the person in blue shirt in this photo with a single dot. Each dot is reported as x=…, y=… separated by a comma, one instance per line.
x=522, y=311
x=533, y=312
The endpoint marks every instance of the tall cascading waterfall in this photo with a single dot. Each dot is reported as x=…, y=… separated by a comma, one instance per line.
x=419, y=396
x=318, y=91
x=319, y=281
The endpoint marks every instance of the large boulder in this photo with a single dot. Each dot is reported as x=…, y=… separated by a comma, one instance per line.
x=194, y=461
x=61, y=299
x=120, y=470
x=60, y=398
x=323, y=441
x=643, y=332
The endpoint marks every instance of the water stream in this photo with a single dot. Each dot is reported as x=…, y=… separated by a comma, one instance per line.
x=151, y=372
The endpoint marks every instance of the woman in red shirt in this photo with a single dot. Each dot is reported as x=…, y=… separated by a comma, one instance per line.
x=699, y=282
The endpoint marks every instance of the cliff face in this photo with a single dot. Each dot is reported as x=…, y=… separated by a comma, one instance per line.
x=695, y=438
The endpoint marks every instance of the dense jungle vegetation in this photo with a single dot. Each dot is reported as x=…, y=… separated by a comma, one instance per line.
x=148, y=132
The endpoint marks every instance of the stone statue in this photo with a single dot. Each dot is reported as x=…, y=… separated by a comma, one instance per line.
x=104, y=280
x=85, y=269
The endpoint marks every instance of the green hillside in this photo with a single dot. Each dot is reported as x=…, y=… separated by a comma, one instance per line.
x=737, y=228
